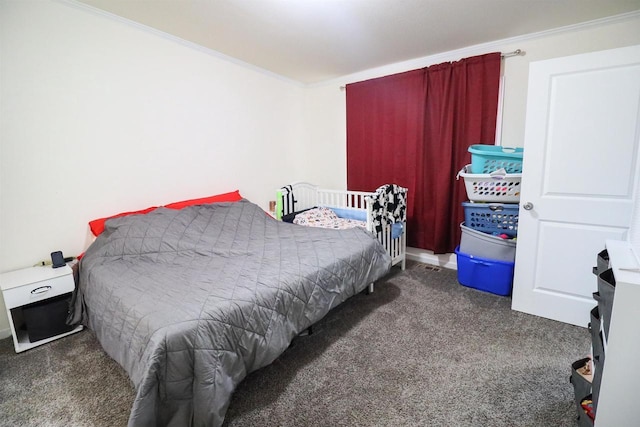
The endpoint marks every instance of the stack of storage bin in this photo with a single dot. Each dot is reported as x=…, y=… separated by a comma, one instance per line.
x=486, y=255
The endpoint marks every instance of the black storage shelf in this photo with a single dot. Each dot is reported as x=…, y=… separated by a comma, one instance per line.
x=599, y=329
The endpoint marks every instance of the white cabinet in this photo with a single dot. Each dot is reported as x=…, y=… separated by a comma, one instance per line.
x=617, y=402
x=37, y=295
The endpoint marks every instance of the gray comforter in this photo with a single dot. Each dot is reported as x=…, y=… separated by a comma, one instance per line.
x=190, y=301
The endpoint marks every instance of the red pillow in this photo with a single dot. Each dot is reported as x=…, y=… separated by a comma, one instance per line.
x=233, y=196
x=97, y=225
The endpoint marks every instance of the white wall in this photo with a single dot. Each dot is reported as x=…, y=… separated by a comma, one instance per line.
x=326, y=102
x=324, y=115
x=100, y=116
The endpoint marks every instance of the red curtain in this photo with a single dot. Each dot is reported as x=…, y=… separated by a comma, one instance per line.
x=413, y=129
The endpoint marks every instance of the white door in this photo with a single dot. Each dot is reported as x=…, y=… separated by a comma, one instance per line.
x=579, y=177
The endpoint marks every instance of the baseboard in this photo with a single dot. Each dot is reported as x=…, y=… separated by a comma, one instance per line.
x=428, y=257
x=5, y=333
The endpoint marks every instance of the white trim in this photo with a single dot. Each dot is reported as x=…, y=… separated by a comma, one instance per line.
x=479, y=49
x=5, y=333
x=498, y=139
x=427, y=257
x=102, y=13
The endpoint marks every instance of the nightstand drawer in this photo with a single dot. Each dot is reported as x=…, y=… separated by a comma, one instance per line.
x=38, y=291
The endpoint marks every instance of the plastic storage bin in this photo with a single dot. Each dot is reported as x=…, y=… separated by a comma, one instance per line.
x=491, y=187
x=488, y=158
x=492, y=217
x=485, y=274
x=47, y=318
x=485, y=245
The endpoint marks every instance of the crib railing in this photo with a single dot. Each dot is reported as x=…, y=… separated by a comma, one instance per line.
x=396, y=248
x=307, y=196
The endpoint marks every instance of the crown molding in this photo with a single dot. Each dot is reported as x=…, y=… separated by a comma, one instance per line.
x=452, y=55
x=479, y=49
x=191, y=45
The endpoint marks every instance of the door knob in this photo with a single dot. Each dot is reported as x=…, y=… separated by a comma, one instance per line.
x=528, y=206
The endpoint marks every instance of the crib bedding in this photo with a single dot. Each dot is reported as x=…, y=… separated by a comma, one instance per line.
x=326, y=218
x=190, y=301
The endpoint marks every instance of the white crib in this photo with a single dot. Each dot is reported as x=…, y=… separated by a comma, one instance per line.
x=302, y=195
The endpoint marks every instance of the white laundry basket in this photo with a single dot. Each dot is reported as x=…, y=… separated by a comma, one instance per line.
x=498, y=186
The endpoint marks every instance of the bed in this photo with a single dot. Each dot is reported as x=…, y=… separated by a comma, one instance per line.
x=189, y=301
x=382, y=212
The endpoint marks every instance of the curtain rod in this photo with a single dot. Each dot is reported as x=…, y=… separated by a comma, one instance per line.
x=517, y=52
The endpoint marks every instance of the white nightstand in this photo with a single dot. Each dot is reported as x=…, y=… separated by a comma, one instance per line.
x=36, y=301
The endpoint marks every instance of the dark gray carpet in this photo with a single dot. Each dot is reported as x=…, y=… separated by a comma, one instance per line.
x=420, y=351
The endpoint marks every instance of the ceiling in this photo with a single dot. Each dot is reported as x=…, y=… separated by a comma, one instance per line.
x=315, y=40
